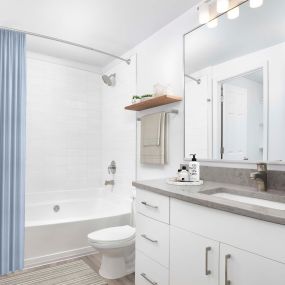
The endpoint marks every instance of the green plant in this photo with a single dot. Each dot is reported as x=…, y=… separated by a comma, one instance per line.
x=146, y=95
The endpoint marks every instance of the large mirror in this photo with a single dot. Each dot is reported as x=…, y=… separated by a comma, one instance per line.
x=235, y=86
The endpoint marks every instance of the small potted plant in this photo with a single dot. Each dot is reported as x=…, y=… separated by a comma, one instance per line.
x=146, y=97
x=136, y=99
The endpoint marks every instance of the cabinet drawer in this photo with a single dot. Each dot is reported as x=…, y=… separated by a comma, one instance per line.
x=148, y=272
x=153, y=205
x=153, y=239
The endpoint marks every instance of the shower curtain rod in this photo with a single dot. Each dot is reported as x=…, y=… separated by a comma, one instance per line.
x=128, y=61
x=198, y=81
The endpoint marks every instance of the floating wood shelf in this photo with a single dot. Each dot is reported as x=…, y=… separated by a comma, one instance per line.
x=154, y=102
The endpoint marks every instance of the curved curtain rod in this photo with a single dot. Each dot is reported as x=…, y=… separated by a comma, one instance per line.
x=128, y=61
x=198, y=81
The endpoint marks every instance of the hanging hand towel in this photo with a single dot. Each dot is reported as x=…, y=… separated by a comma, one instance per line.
x=153, y=138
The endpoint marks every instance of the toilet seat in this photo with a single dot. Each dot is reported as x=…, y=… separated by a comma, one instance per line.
x=113, y=237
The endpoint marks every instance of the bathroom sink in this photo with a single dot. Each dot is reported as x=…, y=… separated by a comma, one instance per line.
x=271, y=201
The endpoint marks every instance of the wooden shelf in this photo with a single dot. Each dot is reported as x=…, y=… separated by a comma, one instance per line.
x=154, y=102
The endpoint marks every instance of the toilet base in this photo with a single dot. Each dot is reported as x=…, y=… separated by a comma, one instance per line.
x=117, y=263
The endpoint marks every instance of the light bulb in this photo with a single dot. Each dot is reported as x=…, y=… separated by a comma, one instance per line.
x=255, y=3
x=213, y=24
x=204, y=13
x=222, y=6
x=234, y=13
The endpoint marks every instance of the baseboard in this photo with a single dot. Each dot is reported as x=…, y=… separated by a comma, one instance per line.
x=59, y=256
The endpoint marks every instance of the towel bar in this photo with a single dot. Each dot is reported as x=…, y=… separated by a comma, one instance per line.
x=174, y=111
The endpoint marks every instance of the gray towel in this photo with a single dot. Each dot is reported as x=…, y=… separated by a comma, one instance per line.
x=153, y=138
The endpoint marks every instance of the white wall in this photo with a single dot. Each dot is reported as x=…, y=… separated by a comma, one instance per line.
x=160, y=59
x=64, y=135
x=119, y=127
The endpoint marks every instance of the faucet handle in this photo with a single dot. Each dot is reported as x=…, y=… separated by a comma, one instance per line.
x=262, y=166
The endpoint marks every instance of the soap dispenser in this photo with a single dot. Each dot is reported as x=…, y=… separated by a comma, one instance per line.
x=194, y=169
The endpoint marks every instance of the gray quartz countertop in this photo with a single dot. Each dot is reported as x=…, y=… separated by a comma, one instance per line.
x=201, y=195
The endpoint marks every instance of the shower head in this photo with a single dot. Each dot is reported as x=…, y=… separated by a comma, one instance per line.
x=109, y=80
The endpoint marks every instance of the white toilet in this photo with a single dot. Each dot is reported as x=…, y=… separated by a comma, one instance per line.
x=117, y=246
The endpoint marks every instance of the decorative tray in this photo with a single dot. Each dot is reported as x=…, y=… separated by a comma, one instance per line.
x=174, y=181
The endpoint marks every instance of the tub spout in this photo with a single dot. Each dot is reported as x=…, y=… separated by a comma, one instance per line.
x=109, y=182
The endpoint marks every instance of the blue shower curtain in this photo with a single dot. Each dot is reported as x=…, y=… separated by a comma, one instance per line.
x=12, y=149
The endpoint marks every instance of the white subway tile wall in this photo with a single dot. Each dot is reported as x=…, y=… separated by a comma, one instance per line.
x=64, y=127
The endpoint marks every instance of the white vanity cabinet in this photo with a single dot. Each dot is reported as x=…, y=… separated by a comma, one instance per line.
x=198, y=260
x=244, y=268
x=246, y=251
x=180, y=243
x=193, y=259
x=152, y=239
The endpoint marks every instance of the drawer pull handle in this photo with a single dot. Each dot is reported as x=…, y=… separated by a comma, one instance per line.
x=149, y=205
x=146, y=237
x=207, y=271
x=148, y=279
x=227, y=257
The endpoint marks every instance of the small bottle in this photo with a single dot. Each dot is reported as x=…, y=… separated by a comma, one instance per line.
x=194, y=169
x=184, y=175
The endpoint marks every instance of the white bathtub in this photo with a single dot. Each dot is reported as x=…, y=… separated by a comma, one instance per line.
x=52, y=235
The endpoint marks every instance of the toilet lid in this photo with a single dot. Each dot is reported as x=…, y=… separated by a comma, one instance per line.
x=120, y=234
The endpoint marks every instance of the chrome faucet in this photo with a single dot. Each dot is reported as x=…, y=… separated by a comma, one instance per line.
x=260, y=176
x=109, y=182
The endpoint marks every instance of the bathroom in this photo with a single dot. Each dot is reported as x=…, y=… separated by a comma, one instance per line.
x=88, y=198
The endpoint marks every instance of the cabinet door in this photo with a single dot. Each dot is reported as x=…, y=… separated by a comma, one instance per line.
x=239, y=267
x=194, y=260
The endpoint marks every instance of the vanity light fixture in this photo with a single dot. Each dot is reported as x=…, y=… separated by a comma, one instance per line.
x=255, y=3
x=222, y=6
x=213, y=23
x=209, y=10
x=233, y=13
x=204, y=13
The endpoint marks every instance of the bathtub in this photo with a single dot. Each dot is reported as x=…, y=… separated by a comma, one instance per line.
x=57, y=223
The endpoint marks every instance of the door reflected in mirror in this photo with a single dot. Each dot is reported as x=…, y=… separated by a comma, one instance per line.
x=241, y=108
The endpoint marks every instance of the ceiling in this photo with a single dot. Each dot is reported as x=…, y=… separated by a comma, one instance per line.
x=114, y=26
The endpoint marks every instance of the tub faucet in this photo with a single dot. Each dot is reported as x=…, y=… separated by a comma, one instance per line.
x=260, y=176
x=109, y=182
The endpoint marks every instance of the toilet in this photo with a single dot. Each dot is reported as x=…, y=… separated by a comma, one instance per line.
x=117, y=246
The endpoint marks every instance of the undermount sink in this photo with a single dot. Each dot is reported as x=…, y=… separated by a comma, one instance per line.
x=247, y=197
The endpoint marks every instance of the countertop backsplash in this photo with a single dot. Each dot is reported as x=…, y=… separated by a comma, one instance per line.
x=240, y=176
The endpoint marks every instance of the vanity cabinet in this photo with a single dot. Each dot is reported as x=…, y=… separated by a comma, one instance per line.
x=152, y=239
x=193, y=259
x=179, y=243
x=198, y=260
x=244, y=268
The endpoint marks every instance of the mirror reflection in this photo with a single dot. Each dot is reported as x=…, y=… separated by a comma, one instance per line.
x=234, y=86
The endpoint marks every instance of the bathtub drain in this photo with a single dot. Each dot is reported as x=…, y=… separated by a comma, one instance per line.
x=56, y=208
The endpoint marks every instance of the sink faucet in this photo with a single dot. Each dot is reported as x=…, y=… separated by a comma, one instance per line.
x=260, y=176
x=110, y=182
